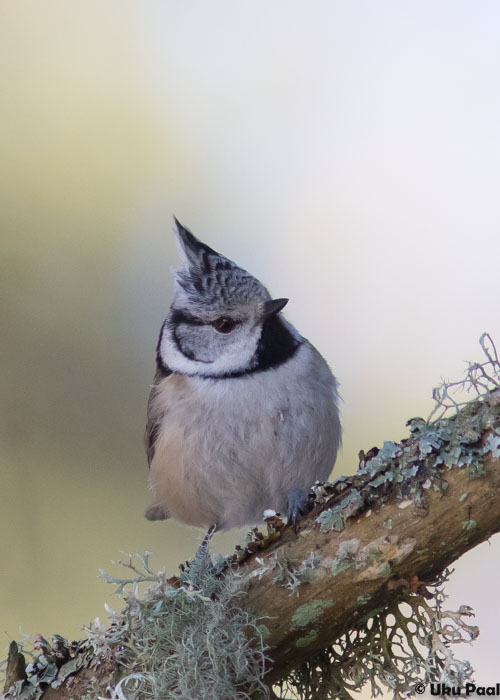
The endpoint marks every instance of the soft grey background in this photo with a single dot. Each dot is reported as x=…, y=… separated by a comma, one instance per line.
x=346, y=153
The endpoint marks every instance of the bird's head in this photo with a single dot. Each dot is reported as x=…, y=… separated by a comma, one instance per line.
x=215, y=324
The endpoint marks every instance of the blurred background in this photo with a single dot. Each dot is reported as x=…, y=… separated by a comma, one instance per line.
x=346, y=153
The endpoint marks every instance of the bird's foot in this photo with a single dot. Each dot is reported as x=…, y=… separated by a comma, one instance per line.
x=203, y=548
x=201, y=565
x=298, y=505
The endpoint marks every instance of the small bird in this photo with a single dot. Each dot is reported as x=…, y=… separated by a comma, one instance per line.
x=242, y=415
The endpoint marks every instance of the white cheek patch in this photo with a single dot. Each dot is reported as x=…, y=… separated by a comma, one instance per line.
x=237, y=358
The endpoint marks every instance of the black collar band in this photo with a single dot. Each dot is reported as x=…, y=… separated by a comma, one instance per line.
x=276, y=346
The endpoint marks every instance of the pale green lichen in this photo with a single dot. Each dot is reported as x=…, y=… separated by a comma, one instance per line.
x=264, y=632
x=377, y=559
x=348, y=548
x=420, y=463
x=493, y=445
x=374, y=571
x=286, y=573
x=188, y=640
x=304, y=533
x=340, y=565
x=463, y=497
x=335, y=518
x=330, y=520
x=165, y=637
x=345, y=556
x=468, y=524
x=363, y=599
x=388, y=649
x=475, y=469
x=388, y=524
x=389, y=451
x=191, y=641
x=309, y=612
x=309, y=638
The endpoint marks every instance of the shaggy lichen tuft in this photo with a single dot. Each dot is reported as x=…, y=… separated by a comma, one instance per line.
x=187, y=641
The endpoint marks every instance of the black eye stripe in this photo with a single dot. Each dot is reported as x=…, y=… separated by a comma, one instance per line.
x=178, y=316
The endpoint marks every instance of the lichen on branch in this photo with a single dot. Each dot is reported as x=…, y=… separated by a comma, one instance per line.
x=406, y=642
x=354, y=597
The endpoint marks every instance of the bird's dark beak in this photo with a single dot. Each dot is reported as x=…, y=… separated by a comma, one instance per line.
x=272, y=307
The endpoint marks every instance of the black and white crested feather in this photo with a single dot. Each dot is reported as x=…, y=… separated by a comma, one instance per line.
x=210, y=280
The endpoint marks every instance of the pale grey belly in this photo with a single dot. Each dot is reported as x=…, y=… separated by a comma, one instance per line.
x=224, y=456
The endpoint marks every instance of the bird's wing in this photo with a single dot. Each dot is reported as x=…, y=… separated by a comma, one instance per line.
x=154, y=415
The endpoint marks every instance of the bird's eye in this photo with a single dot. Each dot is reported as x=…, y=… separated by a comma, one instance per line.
x=224, y=324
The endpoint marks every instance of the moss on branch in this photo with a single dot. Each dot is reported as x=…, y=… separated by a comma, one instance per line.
x=355, y=596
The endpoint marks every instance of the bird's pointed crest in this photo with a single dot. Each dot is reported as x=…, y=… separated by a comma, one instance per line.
x=192, y=249
x=209, y=279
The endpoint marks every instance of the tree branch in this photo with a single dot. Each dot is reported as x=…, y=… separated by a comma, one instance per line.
x=392, y=535
x=381, y=535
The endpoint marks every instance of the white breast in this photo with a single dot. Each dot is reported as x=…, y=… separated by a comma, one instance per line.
x=229, y=448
